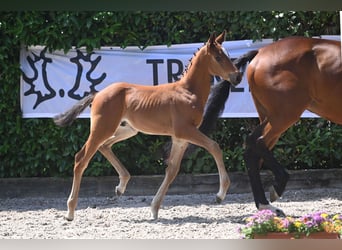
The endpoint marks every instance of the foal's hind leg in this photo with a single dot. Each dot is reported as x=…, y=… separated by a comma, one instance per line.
x=177, y=150
x=123, y=132
x=82, y=159
x=101, y=128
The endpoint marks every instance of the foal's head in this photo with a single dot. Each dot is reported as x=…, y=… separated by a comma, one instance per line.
x=220, y=64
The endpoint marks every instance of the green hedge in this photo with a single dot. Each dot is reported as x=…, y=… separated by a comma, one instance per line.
x=36, y=147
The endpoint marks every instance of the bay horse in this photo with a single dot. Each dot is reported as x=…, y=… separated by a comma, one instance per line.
x=286, y=78
x=123, y=109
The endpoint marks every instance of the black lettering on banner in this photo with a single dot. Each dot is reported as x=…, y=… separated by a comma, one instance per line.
x=46, y=92
x=77, y=60
x=174, y=76
x=236, y=89
x=41, y=97
x=155, y=63
x=233, y=89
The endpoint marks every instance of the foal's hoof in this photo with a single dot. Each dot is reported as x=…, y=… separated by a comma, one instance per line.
x=218, y=200
x=154, y=214
x=118, y=192
x=68, y=218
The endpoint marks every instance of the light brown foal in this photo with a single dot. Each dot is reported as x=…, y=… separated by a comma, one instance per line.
x=121, y=110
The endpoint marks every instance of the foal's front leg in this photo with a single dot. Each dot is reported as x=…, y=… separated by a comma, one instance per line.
x=176, y=155
x=198, y=138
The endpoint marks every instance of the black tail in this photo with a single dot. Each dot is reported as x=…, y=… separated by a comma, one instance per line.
x=219, y=95
x=67, y=118
x=242, y=61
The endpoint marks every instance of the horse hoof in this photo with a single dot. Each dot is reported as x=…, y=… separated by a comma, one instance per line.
x=118, y=192
x=154, y=214
x=280, y=213
x=274, y=209
x=273, y=194
x=218, y=200
x=68, y=218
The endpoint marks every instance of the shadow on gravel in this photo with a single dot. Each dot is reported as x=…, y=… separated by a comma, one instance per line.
x=191, y=219
x=41, y=203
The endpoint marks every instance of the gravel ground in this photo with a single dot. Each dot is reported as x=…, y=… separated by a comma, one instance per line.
x=194, y=216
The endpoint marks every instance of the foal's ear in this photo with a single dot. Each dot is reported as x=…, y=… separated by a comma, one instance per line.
x=212, y=38
x=222, y=37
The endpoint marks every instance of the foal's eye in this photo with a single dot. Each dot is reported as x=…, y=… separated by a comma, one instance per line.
x=218, y=58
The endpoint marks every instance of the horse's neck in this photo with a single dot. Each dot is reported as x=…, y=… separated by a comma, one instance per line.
x=197, y=78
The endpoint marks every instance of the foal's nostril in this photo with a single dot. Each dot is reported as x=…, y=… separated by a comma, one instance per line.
x=236, y=77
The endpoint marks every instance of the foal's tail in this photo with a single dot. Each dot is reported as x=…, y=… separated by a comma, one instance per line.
x=219, y=95
x=66, y=118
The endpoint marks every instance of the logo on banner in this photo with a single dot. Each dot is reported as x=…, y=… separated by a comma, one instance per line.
x=40, y=62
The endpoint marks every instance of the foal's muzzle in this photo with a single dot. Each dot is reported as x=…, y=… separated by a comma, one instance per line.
x=235, y=78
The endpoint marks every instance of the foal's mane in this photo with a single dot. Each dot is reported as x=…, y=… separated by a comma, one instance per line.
x=188, y=66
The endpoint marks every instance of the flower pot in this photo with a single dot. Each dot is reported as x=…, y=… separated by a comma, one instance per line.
x=318, y=235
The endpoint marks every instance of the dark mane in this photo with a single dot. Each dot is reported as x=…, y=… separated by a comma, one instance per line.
x=187, y=67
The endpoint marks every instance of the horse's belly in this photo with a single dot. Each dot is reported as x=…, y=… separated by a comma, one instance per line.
x=331, y=112
x=157, y=123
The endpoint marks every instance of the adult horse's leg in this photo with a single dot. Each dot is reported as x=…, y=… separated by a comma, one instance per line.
x=280, y=174
x=177, y=150
x=258, y=146
x=253, y=161
x=280, y=99
x=256, y=155
x=123, y=132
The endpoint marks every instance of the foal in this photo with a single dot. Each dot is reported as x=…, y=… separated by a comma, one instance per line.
x=121, y=110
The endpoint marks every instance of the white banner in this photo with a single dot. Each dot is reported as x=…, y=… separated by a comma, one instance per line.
x=52, y=82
